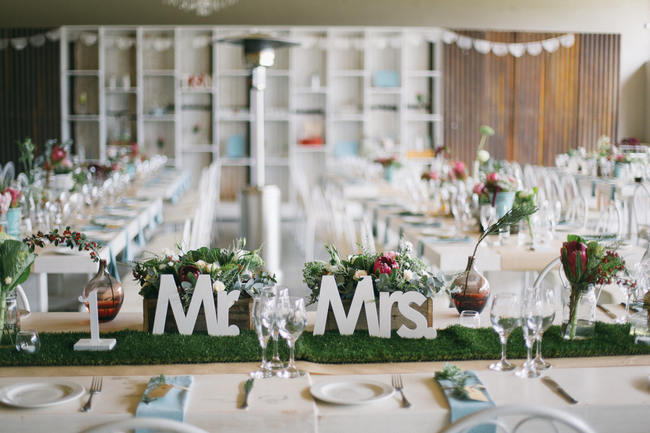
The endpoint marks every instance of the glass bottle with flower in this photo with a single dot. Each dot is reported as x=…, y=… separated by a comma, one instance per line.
x=389, y=164
x=586, y=264
x=13, y=212
x=523, y=197
x=498, y=190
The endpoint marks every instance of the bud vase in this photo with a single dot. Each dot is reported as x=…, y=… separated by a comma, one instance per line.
x=579, y=313
x=470, y=290
x=13, y=222
x=8, y=319
x=109, y=293
x=389, y=171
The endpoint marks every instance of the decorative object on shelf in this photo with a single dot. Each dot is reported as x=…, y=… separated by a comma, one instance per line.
x=201, y=7
x=199, y=277
x=236, y=146
x=385, y=78
x=345, y=149
x=515, y=49
x=390, y=165
x=385, y=284
x=470, y=290
x=110, y=294
x=587, y=264
x=160, y=143
x=498, y=190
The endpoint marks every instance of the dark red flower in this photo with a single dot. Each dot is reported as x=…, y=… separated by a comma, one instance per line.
x=185, y=271
x=58, y=154
x=386, y=263
x=574, y=259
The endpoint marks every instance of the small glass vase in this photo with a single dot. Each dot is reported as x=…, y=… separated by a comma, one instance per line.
x=13, y=222
x=470, y=290
x=8, y=319
x=110, y=294
x=580, y=322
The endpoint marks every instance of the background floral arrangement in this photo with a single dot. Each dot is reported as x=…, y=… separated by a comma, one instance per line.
x=230, y=269
x=390, y=271
x=389, y=161
x=493, y=183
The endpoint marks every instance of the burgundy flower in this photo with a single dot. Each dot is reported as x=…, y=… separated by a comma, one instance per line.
x=386, y=263
x=15, y=196
x=185, y=271
x=58, y=154
x=574, y=259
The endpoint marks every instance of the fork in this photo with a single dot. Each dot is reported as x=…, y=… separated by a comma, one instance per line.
x=399, y=386
x=95, y=388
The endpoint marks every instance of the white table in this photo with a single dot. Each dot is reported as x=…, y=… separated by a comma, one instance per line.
x=615, y=399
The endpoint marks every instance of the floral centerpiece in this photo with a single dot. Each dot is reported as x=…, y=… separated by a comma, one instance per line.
x=498, y=190
x=389, y=164
x=586, y=264
x=390, y=271
x=14, y=211
x=229, y=269
x=458, y=170
x=55, y=160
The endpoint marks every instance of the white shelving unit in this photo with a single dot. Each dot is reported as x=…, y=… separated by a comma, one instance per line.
x=135, y=81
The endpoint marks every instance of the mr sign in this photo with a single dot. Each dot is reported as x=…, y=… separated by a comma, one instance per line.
x=378, y=319
x=216, y=318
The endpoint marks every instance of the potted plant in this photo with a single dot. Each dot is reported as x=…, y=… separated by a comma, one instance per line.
x=586, y=264
x=470, y=290
x=389, y=164
x=498, y=190
x=229, y=269
x=390, y=271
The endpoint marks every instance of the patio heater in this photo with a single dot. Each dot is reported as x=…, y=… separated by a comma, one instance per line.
x=260, y=203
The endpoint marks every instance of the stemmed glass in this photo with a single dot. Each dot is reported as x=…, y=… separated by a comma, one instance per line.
x=505, y=315
x=293, y=319
x=536, y=309
x=627, y=291
x=263, y=334
x=548, y=297
x=270, y=316
x=488, y=217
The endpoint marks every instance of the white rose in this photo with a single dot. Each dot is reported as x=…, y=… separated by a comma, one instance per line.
x=330, y=268
x=8, y=281
x=483, y=155
x=170, y=264
x=161, y=266
x=213, y=267
x=408, y=275
x=203, y=266
x=218, y=286
x=360, y=274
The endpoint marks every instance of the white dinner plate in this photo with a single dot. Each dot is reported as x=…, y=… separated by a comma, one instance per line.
x=30, y=395
x=351, y=392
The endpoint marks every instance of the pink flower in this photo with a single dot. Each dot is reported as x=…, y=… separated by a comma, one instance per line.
x=15, y=196
x=386, y=263
x=492, y=177
x=58, y=154
x=5, y=202
x=459, y=170
x=66, y=163
x=479, y=188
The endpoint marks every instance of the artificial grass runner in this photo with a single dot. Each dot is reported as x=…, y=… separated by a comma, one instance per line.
x=453, y=344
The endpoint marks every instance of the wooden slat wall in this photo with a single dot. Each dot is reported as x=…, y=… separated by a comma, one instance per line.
x=29, y=94
x=538, y=105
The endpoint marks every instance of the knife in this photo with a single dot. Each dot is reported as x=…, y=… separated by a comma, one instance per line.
x=557, y=388
x=248, y=385
x=606, y=311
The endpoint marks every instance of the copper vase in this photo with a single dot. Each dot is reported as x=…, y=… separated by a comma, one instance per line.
x=470, y=290
x=110, y=294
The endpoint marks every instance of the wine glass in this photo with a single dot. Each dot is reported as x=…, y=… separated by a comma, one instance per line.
x=263, y=335
x=292, y=324
x=270, y=316
x=488, y=217
x=505, y=316
x=537, y=312
x=549, y=297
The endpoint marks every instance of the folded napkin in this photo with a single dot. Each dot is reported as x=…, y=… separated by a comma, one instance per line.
x=460, y=408
x=172, y=406
x=93, y=228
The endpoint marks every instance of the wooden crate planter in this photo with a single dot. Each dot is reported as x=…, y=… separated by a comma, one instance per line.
x=240, y=315
x=397, y=320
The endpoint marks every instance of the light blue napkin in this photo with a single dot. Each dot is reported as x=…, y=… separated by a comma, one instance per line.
x=112, y=265
x=127, y=247
x=459, y=408
x=172, y=406
x=140, y=239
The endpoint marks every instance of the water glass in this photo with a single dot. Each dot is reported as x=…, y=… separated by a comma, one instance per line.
x=263, y=335
x=549, y=297
x=537, y=309
x=271, y=315
x=469, y=319
x=292, y=322
x=27, y=341
x=505, y=316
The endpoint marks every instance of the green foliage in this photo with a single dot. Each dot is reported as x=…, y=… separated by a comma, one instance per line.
x=512, y=217
x=15, y=264
x=457, y=377
x=26, y=158
x=455, y=343
x=410, y=273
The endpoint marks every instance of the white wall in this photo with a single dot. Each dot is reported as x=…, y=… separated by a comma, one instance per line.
x=626, y=17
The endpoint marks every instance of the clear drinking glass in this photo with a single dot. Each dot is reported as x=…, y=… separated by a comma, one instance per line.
x=27, y=341
x=270, y=317
x=469, y=319
x=263, y=335
x=627, y=292
x=292, y=323
x=505, y=316
x=488, y=217
x=549, y=297
x=536, y=310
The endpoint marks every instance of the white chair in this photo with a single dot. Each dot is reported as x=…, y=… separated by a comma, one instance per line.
x=523, y=416
x=159, y=424
x=23, y=299
x=641, y=211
